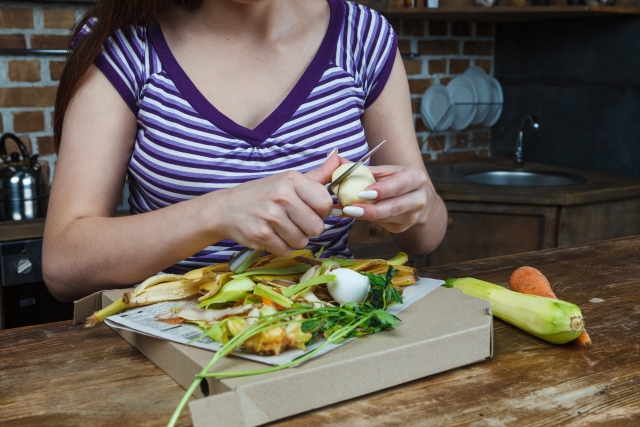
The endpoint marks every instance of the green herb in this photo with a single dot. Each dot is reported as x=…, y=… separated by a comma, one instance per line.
x=335, y=323
x=382, y=292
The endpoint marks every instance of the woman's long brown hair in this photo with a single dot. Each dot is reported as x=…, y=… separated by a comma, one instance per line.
x=111, y=15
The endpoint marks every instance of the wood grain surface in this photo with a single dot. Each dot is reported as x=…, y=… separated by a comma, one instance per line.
x=63, y=375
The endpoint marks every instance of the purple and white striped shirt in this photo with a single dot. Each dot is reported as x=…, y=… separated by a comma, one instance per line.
x=185, y=147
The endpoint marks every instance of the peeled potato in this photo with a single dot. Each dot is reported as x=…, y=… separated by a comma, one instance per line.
x=357, y=182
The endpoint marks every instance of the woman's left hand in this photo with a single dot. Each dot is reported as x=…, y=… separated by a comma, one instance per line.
x=401, y=195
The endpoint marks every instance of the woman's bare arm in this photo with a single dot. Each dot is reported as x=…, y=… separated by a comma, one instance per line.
x=86, y=249
x=408, y=205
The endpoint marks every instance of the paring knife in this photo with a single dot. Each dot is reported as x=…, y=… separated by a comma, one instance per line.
x=243, y=260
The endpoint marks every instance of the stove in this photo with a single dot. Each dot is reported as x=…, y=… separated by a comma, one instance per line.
x=24, y=298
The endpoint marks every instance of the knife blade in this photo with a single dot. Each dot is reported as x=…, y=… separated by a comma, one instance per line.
x=332, y=185
x=243, y=259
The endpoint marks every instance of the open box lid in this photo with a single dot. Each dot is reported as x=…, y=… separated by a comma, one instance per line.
x=444, y=330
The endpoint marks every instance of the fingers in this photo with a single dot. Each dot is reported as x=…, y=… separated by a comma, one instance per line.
x=306, y=219
x=264, y=238
x=396, y=214
x=314, y=195
x=281, y=212
x=396, y=180
x=323, y=173
x=276, y=232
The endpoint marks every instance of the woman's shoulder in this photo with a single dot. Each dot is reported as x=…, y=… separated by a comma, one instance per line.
x=361, y=19
x=364, y=29
x=132, y=35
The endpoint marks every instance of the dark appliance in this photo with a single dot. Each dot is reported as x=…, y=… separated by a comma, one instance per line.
x=24, y=296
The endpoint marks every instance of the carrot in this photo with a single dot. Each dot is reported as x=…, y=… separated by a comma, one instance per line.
x=267, y=301
x=584, y=339
x=528, y=280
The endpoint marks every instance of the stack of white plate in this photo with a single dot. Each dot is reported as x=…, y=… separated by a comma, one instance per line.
x=465, y=96
x=471, y=98
x=497, y=98
x=483, y=88
x=436, y=107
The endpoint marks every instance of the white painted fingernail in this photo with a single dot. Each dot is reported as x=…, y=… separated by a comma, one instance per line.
x=335, y=150
x=336, y=212
x=353, y=211
x=368, y=195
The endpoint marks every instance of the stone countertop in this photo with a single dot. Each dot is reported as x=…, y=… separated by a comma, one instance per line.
x=599, y=187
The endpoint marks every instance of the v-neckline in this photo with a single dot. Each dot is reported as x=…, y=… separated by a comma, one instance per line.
x=283, y=112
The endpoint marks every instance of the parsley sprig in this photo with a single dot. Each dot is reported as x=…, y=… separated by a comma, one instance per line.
x=335, y=324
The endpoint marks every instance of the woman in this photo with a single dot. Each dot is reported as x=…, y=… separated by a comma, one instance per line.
x=222, y=113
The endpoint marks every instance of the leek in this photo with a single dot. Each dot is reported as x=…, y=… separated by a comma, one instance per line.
x=268, y=293
x=293, y=290
x=274, y=271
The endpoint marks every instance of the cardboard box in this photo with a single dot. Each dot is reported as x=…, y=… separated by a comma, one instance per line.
x=444, y=330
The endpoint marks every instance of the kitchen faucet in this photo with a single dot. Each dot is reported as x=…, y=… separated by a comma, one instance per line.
x=534, y=122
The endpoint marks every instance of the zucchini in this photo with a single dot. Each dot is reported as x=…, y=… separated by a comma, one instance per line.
x=552, y=320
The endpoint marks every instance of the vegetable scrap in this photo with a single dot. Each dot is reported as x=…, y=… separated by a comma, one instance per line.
x=278, y=317
x=277, y=304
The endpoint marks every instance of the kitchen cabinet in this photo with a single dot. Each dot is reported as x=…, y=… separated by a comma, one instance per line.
x=484, y=230
x=369, y=240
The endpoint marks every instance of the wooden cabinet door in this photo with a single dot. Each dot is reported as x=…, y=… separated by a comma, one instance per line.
x=598, y=221
x=368, y=240
x=483, y=230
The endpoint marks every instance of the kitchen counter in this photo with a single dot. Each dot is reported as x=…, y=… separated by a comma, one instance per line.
x=451, y=185
x=21, y=230
x=64, y=375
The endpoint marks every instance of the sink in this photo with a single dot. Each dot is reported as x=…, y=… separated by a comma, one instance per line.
x=524, y=178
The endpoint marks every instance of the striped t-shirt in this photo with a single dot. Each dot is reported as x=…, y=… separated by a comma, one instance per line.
x=185, y=147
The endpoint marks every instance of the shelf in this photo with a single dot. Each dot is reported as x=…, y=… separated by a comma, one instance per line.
x=497, y=13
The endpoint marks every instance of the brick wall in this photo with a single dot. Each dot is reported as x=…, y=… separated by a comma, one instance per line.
x=444, y=50
x=28, y=83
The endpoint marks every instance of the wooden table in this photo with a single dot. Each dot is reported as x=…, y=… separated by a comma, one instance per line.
x=64, y=375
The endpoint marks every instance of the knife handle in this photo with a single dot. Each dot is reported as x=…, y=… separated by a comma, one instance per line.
x=243, y=260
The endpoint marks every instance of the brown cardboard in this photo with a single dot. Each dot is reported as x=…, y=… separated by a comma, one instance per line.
x=86, y=307
x=442, y=331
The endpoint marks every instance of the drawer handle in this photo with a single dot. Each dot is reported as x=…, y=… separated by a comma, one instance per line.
x=449, y=222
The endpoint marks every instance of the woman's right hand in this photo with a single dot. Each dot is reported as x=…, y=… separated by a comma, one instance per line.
x=280, y=212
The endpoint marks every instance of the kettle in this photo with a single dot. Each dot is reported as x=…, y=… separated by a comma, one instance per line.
x=24, y=193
